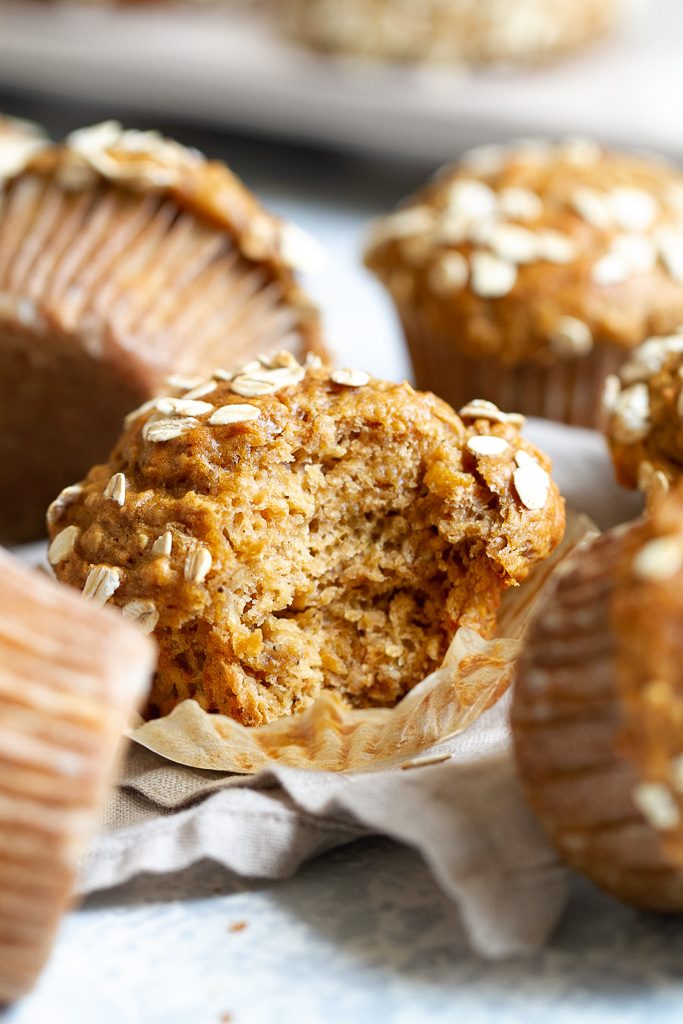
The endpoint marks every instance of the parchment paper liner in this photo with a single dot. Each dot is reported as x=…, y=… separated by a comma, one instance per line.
x=330, y=736
x=568, y=390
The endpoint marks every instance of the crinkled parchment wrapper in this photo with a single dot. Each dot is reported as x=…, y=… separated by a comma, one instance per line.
x=333, y=737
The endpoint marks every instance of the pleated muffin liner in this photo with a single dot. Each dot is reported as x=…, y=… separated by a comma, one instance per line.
x=568, y=390
x=333, y=737
x=569, y=730
x=68, y=676
x=138, y=273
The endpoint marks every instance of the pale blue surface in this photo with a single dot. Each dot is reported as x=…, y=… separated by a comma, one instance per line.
x=360, y=935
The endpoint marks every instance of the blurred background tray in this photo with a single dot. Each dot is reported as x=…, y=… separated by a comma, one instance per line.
x=232, y=69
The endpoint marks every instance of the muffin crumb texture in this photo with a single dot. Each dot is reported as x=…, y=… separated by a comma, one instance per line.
x=306, y=530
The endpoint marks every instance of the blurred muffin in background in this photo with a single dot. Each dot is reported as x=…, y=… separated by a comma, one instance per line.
x=471, y=31
x=526, y=274
x=124, y=257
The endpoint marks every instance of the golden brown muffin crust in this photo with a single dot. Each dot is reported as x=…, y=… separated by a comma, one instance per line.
x=538, y=251
x=647, y=613
x=334, y=535
x=642, y=412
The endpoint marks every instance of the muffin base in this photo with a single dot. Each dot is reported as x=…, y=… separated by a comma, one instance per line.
x=568, y=391
x=568, y=731
x=102, y=294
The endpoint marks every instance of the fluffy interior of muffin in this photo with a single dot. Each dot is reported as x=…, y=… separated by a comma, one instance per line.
x=340, y=571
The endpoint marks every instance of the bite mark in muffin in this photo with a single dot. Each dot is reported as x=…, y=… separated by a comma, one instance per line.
x=335, y=538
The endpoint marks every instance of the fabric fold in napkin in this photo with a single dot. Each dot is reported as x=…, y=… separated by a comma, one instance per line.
x=466, y=815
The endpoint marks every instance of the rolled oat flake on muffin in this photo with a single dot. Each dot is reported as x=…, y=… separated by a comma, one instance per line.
x=643, y=412
x=330, y=534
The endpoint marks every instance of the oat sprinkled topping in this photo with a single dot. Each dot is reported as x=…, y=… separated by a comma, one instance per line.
x=200, y=390
x=102, y=583
x=116, y=489
x=163, y=545
x=248, y=387
x=631, y=414
x=659, y=559
x=350, y=378
x=491, y=277
x=197, y=565
x=487, y=444
x=168, y=428
x=236, y=413
x=182, y=407
x=532, y=483
x=657, y=805
x=481, y=409
x=59, y=506
x=62, y=545
x=144, y=613
x=571, y=337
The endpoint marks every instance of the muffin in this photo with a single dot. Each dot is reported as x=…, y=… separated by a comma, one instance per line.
x=642, y=406
x=527, y=274
x=294, y=530
x=598, y=711
x=69, y=675
x=510, y=31
x=19, y=141
x=123, y=257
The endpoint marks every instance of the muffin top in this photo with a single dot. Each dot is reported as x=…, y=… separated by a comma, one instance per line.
x=648, y=622
x=145, y=162
x=285, y=529
x=539, y=250
x=642, y=409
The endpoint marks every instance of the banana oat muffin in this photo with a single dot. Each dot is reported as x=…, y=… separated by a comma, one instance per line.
x=526, y=274
x=70, y=674
x=123, y=256
x=598, y=710
x=472, y=31
x=285, y=529
x=643, y=410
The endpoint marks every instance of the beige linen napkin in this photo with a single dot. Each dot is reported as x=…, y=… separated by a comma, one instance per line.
x=466, y=815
